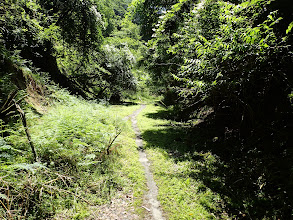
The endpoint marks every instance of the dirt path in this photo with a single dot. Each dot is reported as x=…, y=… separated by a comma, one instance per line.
x=120, y=207
x=153, y=205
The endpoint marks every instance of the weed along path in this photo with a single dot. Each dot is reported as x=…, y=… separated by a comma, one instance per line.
x=185, y=180
x=153, y=203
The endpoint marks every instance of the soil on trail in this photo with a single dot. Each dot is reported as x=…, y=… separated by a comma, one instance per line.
x=120, y=207
x=151, y=203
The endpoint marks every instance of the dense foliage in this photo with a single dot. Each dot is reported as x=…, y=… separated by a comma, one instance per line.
x=76, y=144
x=227, y=66
x=224, y=69
x=63, y=39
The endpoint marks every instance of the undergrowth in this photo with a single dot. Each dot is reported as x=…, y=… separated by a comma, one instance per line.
x=84, y=158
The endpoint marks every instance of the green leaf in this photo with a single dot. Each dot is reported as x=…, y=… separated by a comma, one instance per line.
x=289, y=28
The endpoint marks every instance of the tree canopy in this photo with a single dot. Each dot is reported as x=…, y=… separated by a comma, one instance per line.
x=228, y=64
x=64, y=40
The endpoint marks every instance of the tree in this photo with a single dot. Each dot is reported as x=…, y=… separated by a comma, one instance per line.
x=146, y=13
x=63, y=39
x=233, y=58
x=119, y=62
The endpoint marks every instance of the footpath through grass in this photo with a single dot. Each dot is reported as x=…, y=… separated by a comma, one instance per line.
x=79, y=169
x=178, y=171
x=128, y=158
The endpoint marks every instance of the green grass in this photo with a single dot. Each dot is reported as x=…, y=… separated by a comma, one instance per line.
x=131, y=168
x=183, y=195
x=133, y=171
x=74, y=171
x=123, y=110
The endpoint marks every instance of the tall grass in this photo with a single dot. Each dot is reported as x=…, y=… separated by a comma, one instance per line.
x=78, y=164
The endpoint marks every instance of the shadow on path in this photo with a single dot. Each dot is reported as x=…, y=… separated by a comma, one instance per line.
x=229, y=170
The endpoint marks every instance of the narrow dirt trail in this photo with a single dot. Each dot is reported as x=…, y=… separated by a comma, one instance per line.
x=152, y=203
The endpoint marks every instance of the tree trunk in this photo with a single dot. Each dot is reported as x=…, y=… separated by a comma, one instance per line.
x=42, y=58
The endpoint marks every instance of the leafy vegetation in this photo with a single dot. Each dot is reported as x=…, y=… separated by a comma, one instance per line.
x=224, y=67
x=64, y=40
x=78, y=164
x=224, y=140
x=83, y=155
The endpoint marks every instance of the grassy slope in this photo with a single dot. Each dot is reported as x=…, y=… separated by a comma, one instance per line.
x=74, y=172
x=182, y=194
x=70, y=138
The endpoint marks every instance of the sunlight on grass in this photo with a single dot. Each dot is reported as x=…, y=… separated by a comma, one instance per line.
x=75, y=170
x=135, y=182
x=123, y=110
x=181, y=193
